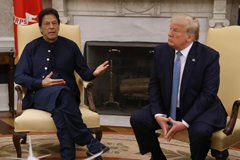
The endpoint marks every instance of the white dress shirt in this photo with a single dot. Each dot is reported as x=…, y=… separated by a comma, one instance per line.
x=183, y=59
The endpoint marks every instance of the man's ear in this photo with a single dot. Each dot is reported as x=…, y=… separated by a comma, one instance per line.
x=190, y=38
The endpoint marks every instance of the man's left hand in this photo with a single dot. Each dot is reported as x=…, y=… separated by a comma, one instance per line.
x=176, y=127
x=101, y=69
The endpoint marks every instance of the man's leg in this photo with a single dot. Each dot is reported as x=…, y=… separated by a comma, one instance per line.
x=144, y=126
x=200, y=139
x=73, y=123
x=67, y=118
x=73, y=118
x=67, y=146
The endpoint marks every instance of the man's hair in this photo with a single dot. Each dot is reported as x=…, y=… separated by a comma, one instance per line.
x=47, y=11
x=191, y=24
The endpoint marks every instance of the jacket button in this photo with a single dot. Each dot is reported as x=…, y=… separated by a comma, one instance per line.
x=47, y=59
x=49, y=50
x=45, y=68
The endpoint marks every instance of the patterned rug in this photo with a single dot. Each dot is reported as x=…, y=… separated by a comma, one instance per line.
x=123, y=146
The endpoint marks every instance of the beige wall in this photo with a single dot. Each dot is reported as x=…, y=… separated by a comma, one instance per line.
x=6, y=14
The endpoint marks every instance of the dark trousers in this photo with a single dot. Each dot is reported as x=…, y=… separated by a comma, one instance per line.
x=70, y=127
x=144, y=126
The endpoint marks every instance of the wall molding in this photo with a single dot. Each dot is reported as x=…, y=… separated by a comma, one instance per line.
x=214, y=10
x=7, y=42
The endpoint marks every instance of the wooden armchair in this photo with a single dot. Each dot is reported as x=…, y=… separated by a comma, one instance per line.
x=226, y=41
x=32, y=120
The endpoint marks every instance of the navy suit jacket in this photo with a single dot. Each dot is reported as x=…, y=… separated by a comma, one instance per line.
x=199, y=86
x=38, y=59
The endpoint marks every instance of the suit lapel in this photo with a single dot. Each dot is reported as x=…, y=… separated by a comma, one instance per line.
x=188, y=69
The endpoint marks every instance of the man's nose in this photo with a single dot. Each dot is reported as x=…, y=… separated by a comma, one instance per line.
x=51, y=25
x=170, y=33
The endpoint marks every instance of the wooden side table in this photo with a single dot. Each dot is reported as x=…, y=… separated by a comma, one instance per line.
x=8, y=58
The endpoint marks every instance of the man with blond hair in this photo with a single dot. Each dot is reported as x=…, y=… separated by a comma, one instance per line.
x=183, y=92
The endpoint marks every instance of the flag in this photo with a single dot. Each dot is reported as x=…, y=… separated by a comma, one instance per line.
x=25, y=13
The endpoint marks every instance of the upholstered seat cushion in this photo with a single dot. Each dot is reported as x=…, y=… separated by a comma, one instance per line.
x=220, y=141
x=29, y=120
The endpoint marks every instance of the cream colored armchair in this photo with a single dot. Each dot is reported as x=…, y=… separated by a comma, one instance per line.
x=226, y=41
x=31, y=120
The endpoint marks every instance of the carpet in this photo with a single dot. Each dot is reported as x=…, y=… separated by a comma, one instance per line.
x=122, y=146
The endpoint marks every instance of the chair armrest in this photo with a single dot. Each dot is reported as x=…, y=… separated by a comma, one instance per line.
x=233, y=118
x=88, y=85
x=19, y=90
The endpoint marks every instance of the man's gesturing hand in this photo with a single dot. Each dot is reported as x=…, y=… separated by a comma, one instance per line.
x=48, y=81
x=176, y=127
x=162, y=121
x=101, y=69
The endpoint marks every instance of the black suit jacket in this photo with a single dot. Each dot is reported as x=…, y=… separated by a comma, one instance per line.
x=199, y=86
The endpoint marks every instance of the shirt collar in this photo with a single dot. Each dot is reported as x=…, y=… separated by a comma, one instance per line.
x=186, y=50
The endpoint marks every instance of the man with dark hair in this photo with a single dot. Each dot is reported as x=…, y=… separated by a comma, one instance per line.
x=46, y=68
x=183, y=92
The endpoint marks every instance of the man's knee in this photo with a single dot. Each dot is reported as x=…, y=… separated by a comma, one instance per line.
x=199, y=133
x=63, y=94
x=135, y=119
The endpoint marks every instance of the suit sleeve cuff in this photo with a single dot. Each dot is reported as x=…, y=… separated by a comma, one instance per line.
x=185, y=123
x=38, y=83
x=159, y=114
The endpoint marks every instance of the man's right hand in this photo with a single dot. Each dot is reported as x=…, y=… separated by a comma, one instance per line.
x=162, y=121
x=48, y=81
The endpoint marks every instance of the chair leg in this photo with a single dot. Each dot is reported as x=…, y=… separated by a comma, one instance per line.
x=220, y=155
x=19, y=138
x=97, y=132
